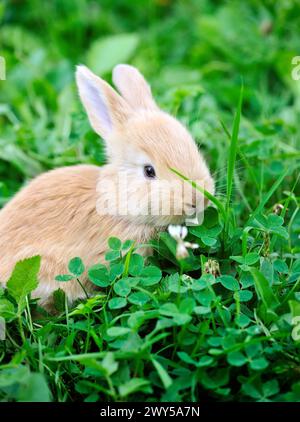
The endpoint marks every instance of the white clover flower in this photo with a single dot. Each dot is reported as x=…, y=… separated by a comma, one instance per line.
x=277, y=208
x=212, y=267
x=179, y=233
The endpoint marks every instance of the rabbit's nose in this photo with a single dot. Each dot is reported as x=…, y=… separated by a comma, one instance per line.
x=190, y=208
x=191, y=205
x=194, y=199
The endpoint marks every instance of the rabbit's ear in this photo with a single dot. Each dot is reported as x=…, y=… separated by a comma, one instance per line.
x=106, y=109
x=133, y=87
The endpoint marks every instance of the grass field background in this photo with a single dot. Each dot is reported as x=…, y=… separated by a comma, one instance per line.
x=223, y=324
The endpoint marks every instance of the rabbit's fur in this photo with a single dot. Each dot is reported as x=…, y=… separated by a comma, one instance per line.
x=60, y=214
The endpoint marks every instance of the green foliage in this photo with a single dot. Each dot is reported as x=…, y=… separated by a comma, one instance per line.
x=116, y=49
x=222, y=324
x=23, y=385
x=76, y=267
x=24, y=280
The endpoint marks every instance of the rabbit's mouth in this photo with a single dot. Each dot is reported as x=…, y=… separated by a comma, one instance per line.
x=191, y=210
x=194, y=213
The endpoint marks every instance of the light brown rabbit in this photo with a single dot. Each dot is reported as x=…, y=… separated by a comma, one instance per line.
x=72, y=211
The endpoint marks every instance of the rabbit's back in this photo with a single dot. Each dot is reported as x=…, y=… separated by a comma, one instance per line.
x=53, y=216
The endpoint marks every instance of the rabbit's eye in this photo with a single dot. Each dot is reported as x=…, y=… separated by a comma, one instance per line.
x=149, y=172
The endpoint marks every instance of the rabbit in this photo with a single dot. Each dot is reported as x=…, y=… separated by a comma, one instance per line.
x=65, y=212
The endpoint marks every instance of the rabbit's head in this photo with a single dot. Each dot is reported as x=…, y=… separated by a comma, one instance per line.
x=143, y=143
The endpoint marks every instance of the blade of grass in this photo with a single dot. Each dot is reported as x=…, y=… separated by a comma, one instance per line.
x=266, y=197
x=285, y=210
x=264, y=290
x=127, y=260
x=232, y=155
x=207, y=194
x=242, y=156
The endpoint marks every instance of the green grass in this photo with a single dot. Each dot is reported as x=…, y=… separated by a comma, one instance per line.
x=223, y=324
